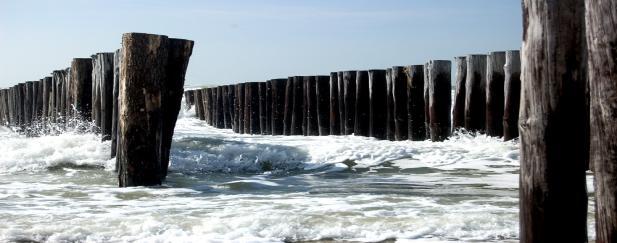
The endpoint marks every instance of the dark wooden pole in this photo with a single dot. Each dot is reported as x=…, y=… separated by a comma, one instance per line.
x=240, y=107
x=415, y=103
x=81, y=87
x=225, y=107
x=458, y=111
x=263, y=113
x=378, y=115
x=440, y=99
x=390, y=106
x=104, y=73
x=97, y=74
x=37, y=102
x=268, y=108
x=231, y=97
x=322, y=96
x=399, y=91
x=65, y=103
x=602, y=46
x=199, y=105
x=27, y=103
x=553, y=121
x=311, y=123
x=278, y=106
x=335, y=118
x=52, y=110
x=362, y=104
x=208, y=105
x=288, y=113
x=512, y=96
x=252, y=98
x=115, y=104
x=494, y=93
x=297, y=115
x=349, y=82
x=475, y=94
x=47, y=87
x=341, y=102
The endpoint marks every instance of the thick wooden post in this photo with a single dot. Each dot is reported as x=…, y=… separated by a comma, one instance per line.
x=252, y=98
x=341, y=102
x=362, y=104
x=553, y=121
x=96, y=90
x=208, y=105
x=27, y=103
x=263, y=113
x=297, y=115
x=81, y=87
x=289, y=100
x=335, y=118
x=440, y=99
x=310, y=104
x=37, y=101
x=52, y=111
x=231, y=98
x=278, y=106
x=240, y=107
x=399, y=92
x=115, y=113
x=103, y=72
x=268, y=108
x=427, y=114
x=390, y=106
x=199, y=106
x=11, y=108
x=47, y=84
x=322, y=97
x=458, y=111
x=494, y=93
x=512, y=96
x=378, y=115
x=65, y=103
x=475, y=93
x=601, y=46
x=415, y=103
x=349, y=82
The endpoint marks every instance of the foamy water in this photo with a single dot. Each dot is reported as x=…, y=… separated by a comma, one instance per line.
x=226, y=187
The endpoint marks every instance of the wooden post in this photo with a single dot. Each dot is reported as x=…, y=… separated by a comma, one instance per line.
x=278, y=106
x=27, y=103
x=297, y=114
x=240, y=107
x=199, y=106
x=322, y=96
x=288, y=113
x=399, y=92
x=268, y=107
x=349, y=82
x=96, y=91
x=37, y=102
x=208, y=105
x=440, y=99
x=64, y=96
x=47, y=85
x=263, y=113
x=103, y=73
x=220, y=109
x=601, y=46
x=188, y=98
x=115, y=104
x=312, y=124
x=335, y=118
x=427, y=114
x=81, y=87
x=415, y=103
x=553, y=121
x=52, y=111
x=494, y=93
x=231, y=96
x=362, y=104
x=458, y=111
x=151, y=80
x=251, y=108
x=378, y=99
x=512, y=96
x=341, y=102
x=475, y=94
x=390, y=106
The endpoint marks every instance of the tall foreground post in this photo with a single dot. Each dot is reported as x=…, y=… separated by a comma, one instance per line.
x=602, y=43
x=151, y=74
x=553, y=118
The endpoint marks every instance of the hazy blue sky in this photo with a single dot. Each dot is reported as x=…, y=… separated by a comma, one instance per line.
x=256, y=40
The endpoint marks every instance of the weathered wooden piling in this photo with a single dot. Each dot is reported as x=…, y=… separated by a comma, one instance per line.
x=349, y=84
x=601, y=46
x=341, y=101
x=188, y=98
x=47, y=94
x=251, y=112
x=199, y=105
x=81, y=88
x=278, y=106
x=399, y=92
x=362, y=105
x=512, y=96
x=297, y=114
x=151, y=80
x=231, y=97
x=208, y=105
x=288, y=110
x=322, y=97
x=389, y=106
x=103, y=73
x=415, y=103
x=458, y=111
x=96, y=91
x=220, y=113
x=378, y=116
x=553, y=121
x=427, y=114
x=115, y=113
x=239, y=128
x=311, y=127
x=27, y=103
x=65, y=97
x=37, y=101
x=475, y=93
x=263, y=112
x=494, y=93
x=335, y=118
x=440, y=99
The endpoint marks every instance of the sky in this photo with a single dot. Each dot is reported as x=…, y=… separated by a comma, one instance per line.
x=251, y=40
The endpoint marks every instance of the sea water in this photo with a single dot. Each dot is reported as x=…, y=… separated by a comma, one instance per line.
x=226, y=187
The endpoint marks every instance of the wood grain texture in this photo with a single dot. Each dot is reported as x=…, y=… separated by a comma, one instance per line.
x=512, y=95
x=458, y=111
x=440, y=99
x=495, y=93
